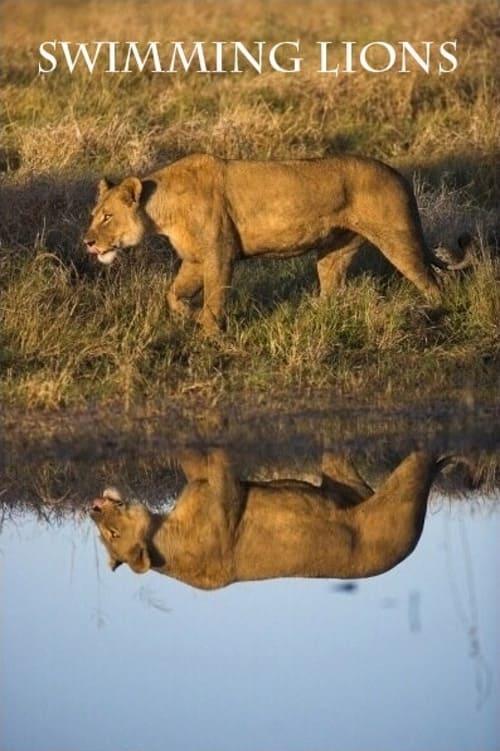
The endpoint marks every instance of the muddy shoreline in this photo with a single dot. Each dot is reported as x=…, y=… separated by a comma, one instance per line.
x=247, y=426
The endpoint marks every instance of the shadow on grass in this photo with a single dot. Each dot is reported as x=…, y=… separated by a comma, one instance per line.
x=478, y=174
x=10, y=160
x=45, y=210
x=51, y=213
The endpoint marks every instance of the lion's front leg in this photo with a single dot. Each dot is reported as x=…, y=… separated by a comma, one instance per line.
x=227, y=488
x=217, y=274
x=186, y=285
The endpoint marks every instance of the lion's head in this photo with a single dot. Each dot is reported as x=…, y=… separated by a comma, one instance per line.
x=117, y=220
x=123, y=529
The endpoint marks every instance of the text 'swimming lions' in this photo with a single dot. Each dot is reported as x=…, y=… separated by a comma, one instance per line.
x=216, y=57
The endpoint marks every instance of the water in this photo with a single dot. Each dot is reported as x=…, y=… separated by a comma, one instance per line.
x=96, y=660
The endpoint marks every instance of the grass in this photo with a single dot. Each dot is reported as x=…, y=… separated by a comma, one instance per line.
x=69, y=337
x=72, y=334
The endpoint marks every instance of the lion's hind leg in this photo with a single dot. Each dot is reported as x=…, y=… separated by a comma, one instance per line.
x=341, y=479
x=407, y=253
x=333, y=263
x=390, y=522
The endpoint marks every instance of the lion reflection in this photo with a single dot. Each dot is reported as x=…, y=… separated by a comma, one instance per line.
x=224, y=530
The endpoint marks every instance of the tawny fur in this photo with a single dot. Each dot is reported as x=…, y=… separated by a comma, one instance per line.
x=216, y=211
x=223, y=530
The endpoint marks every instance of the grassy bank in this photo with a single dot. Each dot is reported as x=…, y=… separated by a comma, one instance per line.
x=66, y=340
x=71, y=333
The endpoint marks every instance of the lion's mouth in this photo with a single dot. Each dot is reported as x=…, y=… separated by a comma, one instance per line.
x=97, y=252
x=105, y=256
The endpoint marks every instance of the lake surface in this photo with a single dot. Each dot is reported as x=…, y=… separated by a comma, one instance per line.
x=96, y=660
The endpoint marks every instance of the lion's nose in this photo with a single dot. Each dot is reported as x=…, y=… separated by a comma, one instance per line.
x=97, y=504
x=89, y=242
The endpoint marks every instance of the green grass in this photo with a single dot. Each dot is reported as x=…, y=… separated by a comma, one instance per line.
x=67, y=339
x=71, y=334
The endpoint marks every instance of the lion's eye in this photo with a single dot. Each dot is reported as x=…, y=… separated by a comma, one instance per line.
x=106, y=217
x=114, y=534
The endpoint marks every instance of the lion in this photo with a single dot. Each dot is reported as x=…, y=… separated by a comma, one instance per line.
x=223, y=530
x=216, y=211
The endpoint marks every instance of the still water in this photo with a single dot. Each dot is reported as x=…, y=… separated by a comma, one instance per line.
x=319, y=600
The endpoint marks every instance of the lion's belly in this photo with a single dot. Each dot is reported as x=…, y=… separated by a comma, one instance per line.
x=280, y=238
x=284, y=208
x=292, y=533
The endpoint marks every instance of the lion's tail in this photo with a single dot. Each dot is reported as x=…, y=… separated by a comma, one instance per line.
x=446, y=259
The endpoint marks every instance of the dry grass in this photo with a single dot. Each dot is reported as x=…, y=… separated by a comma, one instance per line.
x=70, y=334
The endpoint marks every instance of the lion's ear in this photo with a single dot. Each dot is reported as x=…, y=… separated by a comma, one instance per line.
x=103, y=186
x=139, y=559
x=113, y=564
x=132, y=187
x=112, y=493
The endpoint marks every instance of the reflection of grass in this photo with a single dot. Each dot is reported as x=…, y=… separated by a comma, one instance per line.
x=148, y=597
x=147, y=469
x=69, y=334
